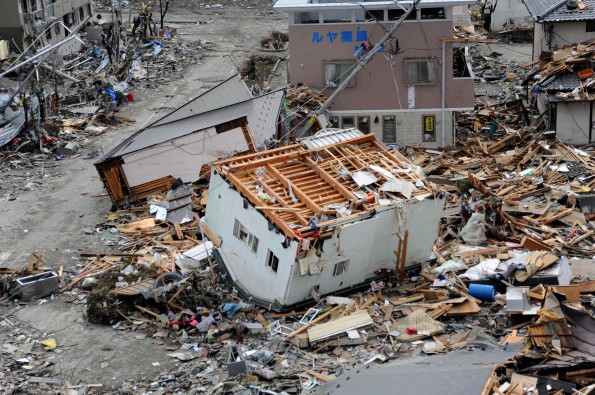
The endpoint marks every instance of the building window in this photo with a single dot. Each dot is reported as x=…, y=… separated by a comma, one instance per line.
x=332, y=16
x=272, y=261
x=429, y=128
x=89, y=9
x=591, y=26
x=48, y=34
x=306, y=17
x=334, y=121
x=374, y=15
x=336, y=72
x=433, y=13
x=347, y=122
x=340, y=268
x=420, y=71
x=395, y=15
x=363, y=124
x=82, y=13
x=389, y=129
x=242, y=234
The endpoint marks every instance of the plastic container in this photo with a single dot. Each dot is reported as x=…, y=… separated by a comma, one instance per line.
x=584, y=74
x=482, y=292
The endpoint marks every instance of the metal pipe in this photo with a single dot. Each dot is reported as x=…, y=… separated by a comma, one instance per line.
x=443, y=87
x=49, y=49
x=366, y=59
x=61, y=74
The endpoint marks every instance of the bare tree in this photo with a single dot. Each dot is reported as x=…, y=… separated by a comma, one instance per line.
x=162, y=11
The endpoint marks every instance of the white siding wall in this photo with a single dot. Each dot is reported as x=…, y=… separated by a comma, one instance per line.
x=564, y=33
x=572, y=122
x=182, y=157
x=248, y=270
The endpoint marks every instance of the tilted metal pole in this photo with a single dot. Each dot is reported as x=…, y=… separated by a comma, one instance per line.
x=366, y=59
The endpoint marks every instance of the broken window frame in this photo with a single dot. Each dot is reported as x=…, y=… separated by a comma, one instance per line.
x=432, y=13
x=336, y=16
x=272, y=261
x=340, y=267
x=342, y=71
x=387, y=133
x=306, y=18
x=395, y=13
x=346, y=125
x=415, y=73
x=334, y=120
x=245, y=236
x=363, y=124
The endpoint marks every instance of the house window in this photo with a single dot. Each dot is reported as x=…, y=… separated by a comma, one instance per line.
x=347, y=122
x=591, y=26
x=82, y=13
x=242, y=234
x=394, y=15
x=433, y=13
x=336, y=72
x=389, y=129
x=306, y=17
x=340, y=268
x=420, y=71
x=363, y=124
x=89, y=9
x=48, y=34
x=429, y=128
x=272, y=261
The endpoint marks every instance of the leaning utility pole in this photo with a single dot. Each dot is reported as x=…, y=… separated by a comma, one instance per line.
x=363, y=62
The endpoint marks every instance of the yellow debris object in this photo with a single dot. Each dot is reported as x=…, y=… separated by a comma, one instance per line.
x=112, y=216
x=49, y=344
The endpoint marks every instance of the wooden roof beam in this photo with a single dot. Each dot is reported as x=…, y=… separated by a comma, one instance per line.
x=296, y=190
x=256, y=201
x=334, y=183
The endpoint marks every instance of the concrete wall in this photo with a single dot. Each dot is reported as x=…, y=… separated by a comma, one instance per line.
x=507, y=10
x=182, y=157
x=380, y=85
x=563, y=34
x=409, y=128
x=572, y=122
x=10, y=23
x=248, y=269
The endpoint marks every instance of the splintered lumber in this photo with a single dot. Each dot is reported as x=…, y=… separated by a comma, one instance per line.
x=533, y=244
x=314, y=322
x=319, y=376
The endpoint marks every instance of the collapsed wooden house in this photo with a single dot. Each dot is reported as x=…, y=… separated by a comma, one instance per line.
x=183, y=143
x=317, y=217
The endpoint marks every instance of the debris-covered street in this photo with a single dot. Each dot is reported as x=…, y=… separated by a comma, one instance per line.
x=242, y=197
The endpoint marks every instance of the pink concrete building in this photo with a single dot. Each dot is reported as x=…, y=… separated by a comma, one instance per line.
x=409, y=92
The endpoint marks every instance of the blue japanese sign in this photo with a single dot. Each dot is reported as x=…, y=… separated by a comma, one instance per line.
x=345, y=36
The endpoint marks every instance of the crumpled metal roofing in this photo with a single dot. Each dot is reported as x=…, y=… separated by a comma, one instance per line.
x=329, y=136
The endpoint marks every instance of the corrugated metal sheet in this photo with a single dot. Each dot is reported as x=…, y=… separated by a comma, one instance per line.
x=231, y=91
x=262, y=113
x=330, y=136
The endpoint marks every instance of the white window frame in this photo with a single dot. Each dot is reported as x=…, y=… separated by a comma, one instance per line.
x=340, y=267
x=270, y=259
x=245, y=236
x=335, y=78
x=415, y=66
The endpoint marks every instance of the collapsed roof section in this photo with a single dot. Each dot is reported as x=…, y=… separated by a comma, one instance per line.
x=334, y=184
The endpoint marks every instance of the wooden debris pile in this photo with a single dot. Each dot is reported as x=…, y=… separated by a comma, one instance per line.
x=529, y=188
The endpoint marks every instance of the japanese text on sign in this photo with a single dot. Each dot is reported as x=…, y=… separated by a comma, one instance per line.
x=343, y=37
